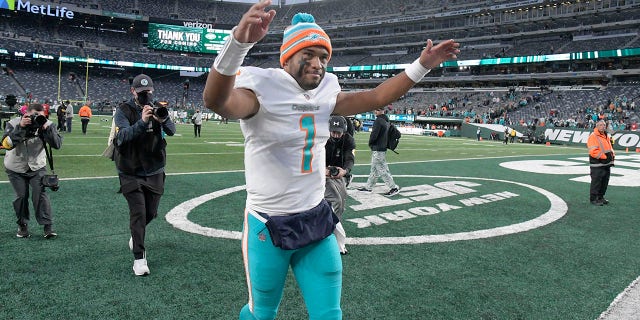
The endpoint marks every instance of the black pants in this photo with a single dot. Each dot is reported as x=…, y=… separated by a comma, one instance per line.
x=61, y=124
x=41, y=204
x=143, y=197
x=599, y=182
x=85, y=122
x=196, y=130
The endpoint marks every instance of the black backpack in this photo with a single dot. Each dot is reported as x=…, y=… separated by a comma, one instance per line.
x=393, y=137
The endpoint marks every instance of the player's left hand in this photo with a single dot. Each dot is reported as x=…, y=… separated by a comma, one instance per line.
x=254, y=23
x=432, y=56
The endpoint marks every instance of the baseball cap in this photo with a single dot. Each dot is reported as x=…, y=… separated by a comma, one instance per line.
x=142, y=82
x=337, y=123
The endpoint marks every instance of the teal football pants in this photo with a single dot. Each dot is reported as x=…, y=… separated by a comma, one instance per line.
x=317, y=268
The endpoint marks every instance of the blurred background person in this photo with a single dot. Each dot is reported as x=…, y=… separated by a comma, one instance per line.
x=197, y=123
x=85, y=116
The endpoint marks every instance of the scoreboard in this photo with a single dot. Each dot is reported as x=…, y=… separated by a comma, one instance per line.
x=186, y=39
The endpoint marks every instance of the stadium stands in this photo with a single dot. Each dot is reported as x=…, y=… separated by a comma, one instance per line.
x=364, y=32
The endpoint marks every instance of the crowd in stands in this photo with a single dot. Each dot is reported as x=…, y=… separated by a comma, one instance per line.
x=104, y=87
x=573, y=107
x=351, y=24
x=565, y=107
x=572, y=29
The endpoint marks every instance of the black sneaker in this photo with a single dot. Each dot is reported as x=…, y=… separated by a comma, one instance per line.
x=604, y=201
x=392, y=192
x=48, y=232
x=348, y=178
x=364, y=189
x=597, y=202
x=23, y=231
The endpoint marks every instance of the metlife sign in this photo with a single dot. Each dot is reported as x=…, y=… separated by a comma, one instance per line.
x=42, y=9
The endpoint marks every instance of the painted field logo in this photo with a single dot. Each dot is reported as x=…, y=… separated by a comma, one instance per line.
x=428, y=209
x=8, y=4
x=626, y=172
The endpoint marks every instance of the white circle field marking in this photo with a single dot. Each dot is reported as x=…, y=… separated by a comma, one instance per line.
x=178, y=217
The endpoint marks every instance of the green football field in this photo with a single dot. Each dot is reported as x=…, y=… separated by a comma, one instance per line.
x=480, y=230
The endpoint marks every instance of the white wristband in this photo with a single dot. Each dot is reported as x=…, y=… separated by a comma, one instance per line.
x=231, y=56
x=416, y=71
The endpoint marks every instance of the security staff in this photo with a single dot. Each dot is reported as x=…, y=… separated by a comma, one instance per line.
x=601, y=157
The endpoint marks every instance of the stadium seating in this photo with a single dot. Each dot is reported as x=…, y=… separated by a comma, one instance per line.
x=364, y=32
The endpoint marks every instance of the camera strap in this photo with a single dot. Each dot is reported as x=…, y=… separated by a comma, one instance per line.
x=49, y=152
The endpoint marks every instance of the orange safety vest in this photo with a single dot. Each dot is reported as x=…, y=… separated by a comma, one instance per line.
x=598, y=144
x=85, y=111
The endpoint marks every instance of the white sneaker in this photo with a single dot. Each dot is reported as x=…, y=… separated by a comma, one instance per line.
x=130, y=243
x=140, y=267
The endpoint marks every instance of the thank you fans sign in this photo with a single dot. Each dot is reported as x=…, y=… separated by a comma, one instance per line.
x=186, y=39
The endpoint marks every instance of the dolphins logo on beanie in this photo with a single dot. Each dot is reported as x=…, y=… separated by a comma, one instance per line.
x=302, y=33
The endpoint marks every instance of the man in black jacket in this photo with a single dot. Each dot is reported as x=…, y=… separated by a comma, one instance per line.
x=140, y=158
x=340, y=158
x=62, y=113
x=378, y=144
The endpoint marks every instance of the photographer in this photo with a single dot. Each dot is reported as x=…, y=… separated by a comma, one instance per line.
x=340, y=158
x=140, y=158
x=25, y=163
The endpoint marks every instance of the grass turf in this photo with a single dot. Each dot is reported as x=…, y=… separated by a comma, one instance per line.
x=569, y=269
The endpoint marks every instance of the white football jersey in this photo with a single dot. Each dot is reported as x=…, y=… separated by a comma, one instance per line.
x=284, y=142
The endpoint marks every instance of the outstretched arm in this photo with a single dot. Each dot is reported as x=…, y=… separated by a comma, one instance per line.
x=394, y=88
x=219, y=94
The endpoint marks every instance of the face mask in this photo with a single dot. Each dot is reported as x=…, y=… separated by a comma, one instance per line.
x=145, y=98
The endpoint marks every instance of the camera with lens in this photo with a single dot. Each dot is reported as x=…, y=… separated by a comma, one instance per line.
x=37, y=121
x=160, y=111
x=333, y=171
x=51, y=181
